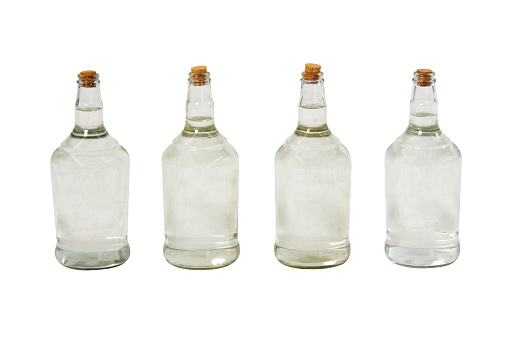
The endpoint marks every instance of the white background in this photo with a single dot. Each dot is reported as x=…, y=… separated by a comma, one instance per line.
x=255, y=51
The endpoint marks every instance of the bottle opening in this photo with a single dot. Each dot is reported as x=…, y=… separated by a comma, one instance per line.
x=199, y=76
x=424, y=77
x=312, y=74
x=88, y=78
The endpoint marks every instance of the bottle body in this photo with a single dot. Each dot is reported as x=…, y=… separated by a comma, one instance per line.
x=201, y=187
x=90, y=179
x=423, y=175
x=312, y=201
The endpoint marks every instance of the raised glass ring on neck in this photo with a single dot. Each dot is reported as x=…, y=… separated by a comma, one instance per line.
x=308, y=78
x=199, y=79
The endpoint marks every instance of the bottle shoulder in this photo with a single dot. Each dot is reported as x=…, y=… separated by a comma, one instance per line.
x=191, y=151
x=319, y=151
x=89, y=152
x=427, y=148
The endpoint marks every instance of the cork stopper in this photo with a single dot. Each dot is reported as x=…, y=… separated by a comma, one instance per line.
x=311, y=72
x=424, y=77
x=199, y=75
x=88, y=78
x=199, y=69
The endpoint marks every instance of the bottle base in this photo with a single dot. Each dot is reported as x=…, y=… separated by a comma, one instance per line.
x=92, y=260
x=312, y=259
x=201, y=259
x=422, y=257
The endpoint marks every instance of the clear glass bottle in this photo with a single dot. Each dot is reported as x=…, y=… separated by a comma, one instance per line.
x=90, y=177
x=312, y=186
x=422, y=183
x=201, y=187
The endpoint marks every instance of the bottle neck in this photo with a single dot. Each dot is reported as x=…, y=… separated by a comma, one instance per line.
x=89, y=111
x=423, y=108
x=312, y=108
x=199, y=109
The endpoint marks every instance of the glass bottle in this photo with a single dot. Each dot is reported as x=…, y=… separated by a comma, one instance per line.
x=312, y=186
x=201, y=186
x=422, y=183
x=90, y=177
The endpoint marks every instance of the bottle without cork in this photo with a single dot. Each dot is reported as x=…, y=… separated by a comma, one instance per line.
x=312, y=186
x=90, y=179
x=201, y=187
x=422, y=180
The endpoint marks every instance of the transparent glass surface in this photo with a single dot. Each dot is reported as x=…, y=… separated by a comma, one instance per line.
x=201, y=188
x=422, y=173
x=200, y=176
x=90, y=176
x=312, y=202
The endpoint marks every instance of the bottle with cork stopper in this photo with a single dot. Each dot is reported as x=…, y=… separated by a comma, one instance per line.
x=422, y=186
x=90, y=179
x=312, y=186
x=200, y=186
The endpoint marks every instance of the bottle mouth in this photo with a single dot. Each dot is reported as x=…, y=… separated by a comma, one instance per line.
x=424, y=77
x=199, y=76
x=311, y=78
x=88, y=78
x=312, y=74
x=199, y=79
